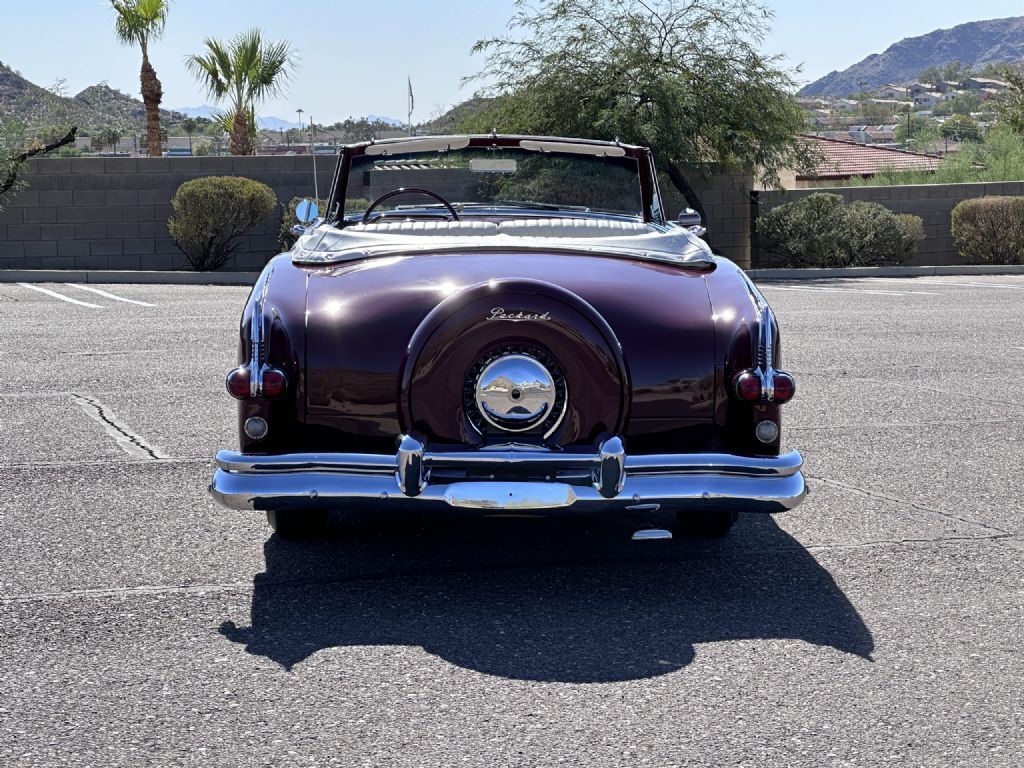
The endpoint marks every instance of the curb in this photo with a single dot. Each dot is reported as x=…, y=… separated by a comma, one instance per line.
x=855, y=272
x=126, y=276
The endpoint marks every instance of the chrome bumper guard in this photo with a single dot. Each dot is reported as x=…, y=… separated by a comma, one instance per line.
x=604, y=480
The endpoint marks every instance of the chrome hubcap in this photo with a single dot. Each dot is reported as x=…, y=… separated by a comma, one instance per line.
x=515, y=392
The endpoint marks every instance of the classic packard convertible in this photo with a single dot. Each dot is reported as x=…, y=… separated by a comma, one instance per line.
x=505, y=325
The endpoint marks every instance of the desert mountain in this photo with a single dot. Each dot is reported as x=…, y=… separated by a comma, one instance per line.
x=974, y=44
x=98, y=106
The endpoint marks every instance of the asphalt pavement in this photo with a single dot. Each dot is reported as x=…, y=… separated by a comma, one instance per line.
x=879, y=624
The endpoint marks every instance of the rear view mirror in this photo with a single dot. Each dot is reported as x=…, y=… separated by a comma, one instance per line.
x=306, y=212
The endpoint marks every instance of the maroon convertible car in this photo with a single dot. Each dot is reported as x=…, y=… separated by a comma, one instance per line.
x=505, y=325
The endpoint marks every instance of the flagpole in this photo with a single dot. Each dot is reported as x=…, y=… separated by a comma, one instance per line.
x=411, y=103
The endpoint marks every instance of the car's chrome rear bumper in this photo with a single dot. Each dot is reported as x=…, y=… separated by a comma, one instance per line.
x=416, y=478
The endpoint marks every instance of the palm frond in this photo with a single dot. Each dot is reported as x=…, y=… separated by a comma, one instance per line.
x=138, y=21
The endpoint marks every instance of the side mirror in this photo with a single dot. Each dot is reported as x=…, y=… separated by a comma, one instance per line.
x=689, y=218
x=306, y=212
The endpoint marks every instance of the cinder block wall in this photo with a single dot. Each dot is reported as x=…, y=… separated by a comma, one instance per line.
x=934, y=203
x=725, y=196
x=726, y=200
x=111, y=213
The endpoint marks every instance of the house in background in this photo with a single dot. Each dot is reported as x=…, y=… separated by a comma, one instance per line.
x=916, y=89
x=872, y=134
x=845, y=105
x=893, y=92
x=979, y=83
x=839, y=161
x=927, y=99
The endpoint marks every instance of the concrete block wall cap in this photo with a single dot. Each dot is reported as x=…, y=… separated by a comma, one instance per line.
x=126, y=276
x=818, y=273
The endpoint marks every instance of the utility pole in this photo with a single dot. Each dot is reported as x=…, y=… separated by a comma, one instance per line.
x=300, y=111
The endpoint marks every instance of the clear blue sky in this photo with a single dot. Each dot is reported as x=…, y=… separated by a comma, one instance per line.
x=355, y=55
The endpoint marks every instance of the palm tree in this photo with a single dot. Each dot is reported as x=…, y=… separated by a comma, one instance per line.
x=245, y=70
x=138, y=22
x=111, y=138
x=190, y=125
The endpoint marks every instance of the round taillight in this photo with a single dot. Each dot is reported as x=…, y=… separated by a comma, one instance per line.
x=238, y=383
x=747, y=386
x=785, y=387
x=274, y=382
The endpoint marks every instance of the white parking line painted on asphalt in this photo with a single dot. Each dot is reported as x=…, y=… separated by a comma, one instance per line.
x=821, y=289
x=922, y=281
x=110, y=295
x=60, y=296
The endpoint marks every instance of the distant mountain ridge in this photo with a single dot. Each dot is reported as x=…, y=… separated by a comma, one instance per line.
x=974, y=44
x=98, y=106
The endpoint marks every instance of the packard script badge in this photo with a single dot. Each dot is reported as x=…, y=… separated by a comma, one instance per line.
x=499, y=313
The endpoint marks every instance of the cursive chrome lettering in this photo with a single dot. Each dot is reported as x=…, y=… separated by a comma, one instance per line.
x=499, y=313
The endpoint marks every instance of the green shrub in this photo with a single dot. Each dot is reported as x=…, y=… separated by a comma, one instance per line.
x=821, y=231
x=913, y=233
x=990, y=229
x=212, y=212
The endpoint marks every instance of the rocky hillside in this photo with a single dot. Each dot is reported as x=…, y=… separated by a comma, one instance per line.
x=974, y=44
x=98, y=106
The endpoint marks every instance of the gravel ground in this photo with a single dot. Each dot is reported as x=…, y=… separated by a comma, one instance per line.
x=880, y=623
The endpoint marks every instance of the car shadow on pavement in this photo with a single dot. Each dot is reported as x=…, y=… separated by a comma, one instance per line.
x=557, y=599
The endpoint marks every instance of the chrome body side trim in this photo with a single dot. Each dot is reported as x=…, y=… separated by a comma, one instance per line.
x=604, y=480
x=258, y=342
x=765, y=355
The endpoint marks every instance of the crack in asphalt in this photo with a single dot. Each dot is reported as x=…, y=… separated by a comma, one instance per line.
x=913, y=385
x=996, y=532
x=130, y=442
x=907, y=425
x=235, y=587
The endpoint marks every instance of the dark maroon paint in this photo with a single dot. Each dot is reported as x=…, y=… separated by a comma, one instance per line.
x=381, y=346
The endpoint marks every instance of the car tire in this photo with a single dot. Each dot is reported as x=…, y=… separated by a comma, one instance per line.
x=705, y=525
x=298, y=524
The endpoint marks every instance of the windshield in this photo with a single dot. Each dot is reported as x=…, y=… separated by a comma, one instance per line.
x=498, y=177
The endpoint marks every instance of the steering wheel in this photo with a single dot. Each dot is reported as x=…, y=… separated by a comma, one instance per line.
x=401, y=190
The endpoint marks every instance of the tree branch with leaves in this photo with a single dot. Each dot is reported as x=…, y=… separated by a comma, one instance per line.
x=13, y=159
x=686, y=78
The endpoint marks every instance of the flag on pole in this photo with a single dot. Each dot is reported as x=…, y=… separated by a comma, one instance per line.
x=412, y=102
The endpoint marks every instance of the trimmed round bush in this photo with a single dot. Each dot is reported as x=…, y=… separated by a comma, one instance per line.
x=211, y=213
x=990, y=230
x=821, y=230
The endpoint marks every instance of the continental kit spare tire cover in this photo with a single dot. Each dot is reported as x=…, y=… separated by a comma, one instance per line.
x=553, y=330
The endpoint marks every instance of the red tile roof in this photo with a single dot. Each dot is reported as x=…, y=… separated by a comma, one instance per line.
x=843, y=159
